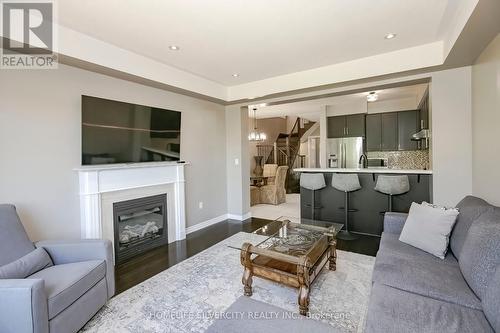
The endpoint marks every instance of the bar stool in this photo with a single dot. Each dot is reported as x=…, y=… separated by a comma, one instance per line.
x=392, y=185
x=346, y=182
x=313, y=182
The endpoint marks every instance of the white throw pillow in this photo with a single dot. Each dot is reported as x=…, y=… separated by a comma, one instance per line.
x=428, y=228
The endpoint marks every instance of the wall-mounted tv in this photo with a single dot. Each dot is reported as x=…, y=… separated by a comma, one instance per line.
x=119, y=132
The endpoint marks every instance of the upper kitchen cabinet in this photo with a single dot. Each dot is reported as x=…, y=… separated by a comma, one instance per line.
x=336, y=127
x=374, y=132
x=355, y=125
x=424, y=111
x=346, y=126
x=382, y=132
x=389, y=131
x=408, y=124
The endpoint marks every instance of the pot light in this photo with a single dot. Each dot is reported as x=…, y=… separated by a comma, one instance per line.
x=236, y=75
x=372, y=97
x=390, y=36
x=174, y=47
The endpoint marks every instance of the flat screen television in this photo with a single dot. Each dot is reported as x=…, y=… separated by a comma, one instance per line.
x=119, y=132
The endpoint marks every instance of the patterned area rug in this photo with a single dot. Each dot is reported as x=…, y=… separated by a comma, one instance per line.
x=189, y=296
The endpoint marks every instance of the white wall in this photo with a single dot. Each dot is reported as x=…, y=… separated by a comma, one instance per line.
x=393, y=105
x=40, y=144
x=238, y=162
x=346, y=108
x=486, y=124
x=451, y=142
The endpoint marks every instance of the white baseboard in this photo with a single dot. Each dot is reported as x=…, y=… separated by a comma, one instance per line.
x=216, y=220
x=239, y=217
x=206, y=223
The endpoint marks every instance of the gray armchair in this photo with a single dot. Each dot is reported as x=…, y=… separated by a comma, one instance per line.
x=61, y=297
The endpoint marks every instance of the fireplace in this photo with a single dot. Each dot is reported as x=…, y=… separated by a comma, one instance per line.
x=103, y=186
x=139, y=225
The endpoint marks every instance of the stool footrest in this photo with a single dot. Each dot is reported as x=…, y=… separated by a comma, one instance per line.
x=392, y=211
x=315, y=207
x=351, y=210
x=346, y=235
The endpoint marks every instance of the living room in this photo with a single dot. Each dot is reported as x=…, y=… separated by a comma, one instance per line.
x=124, y=182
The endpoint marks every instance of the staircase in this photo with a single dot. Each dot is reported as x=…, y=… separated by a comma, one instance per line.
x=285, y=151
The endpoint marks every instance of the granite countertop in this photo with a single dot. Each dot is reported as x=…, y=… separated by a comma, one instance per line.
x=368, y=170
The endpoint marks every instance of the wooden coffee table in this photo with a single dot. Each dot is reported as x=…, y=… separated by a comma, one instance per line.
x=293, y=254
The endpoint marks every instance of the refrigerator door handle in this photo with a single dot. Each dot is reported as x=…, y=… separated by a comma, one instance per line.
x=344, y=150
x=341, y=154
x=345, y=155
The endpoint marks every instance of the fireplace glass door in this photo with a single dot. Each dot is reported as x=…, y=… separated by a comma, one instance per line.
x=140, y=225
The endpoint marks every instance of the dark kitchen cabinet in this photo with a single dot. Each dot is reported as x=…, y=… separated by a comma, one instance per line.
x=408, y=124
x=336, y=127
x=374, y=132
x=389, y=123
x=355, y=125
x=346, y=126
x=382, y=132
x=424, y=112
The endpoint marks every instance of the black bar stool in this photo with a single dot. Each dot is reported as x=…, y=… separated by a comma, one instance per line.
x=346, y=182
x=392, y=185
x=313, y=182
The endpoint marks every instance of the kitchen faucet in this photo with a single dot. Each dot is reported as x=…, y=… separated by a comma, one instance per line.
x=363, y=161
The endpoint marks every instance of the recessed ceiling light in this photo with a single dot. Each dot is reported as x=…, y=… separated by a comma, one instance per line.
x=390, y=36
x=236, y=75
x=372, y=97
x=174, y=47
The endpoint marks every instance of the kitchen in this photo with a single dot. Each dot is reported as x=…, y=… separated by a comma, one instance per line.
x=386, y=133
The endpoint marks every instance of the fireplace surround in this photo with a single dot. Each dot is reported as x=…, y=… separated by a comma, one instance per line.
x=101, y=186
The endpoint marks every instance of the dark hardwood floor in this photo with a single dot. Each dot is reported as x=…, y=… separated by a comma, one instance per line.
x=148, y=264
x=365, y=244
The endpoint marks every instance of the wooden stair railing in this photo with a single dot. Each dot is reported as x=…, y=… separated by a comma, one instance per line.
x=285, y=151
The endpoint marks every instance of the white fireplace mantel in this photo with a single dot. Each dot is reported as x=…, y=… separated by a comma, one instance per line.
x=100, y=183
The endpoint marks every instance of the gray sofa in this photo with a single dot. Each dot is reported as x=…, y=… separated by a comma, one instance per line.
x=413, y=291
x=60, y=298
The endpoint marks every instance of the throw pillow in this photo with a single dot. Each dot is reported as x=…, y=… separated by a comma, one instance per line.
x=27, y=265
x=428, y=228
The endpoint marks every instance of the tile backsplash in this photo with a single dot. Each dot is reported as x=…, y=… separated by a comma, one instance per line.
x=414, y=159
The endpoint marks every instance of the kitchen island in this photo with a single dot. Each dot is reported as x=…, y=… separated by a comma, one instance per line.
x=368, y=203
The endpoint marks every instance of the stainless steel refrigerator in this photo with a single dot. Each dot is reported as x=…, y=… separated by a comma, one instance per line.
x=347, y=151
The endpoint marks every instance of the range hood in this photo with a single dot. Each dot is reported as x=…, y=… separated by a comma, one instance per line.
x=423, y=134
x=423, y=138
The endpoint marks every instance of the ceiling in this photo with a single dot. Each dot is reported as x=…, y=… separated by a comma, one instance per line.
x=277, y=48
x=259, y=39
x=311, y=109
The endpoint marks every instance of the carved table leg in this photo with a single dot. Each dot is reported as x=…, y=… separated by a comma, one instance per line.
x=304, y=282
x=247, y=273
x=333, y=255
x=247, y=282
x=303, y=300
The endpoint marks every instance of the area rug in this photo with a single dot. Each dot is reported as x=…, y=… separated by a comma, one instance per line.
x=189, y=296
